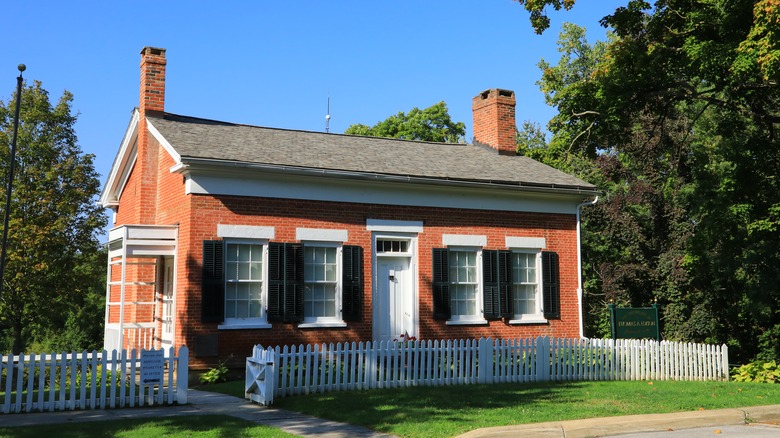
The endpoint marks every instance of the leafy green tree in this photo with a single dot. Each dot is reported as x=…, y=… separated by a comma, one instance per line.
x=53, y=262
x=430, y=124
x=678, y=113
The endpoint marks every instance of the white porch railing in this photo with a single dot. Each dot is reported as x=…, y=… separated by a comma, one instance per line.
x=336, y=367
x=96, y=380
x=137, y=336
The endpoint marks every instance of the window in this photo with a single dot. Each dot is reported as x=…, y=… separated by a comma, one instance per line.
x=457, y=294
x=243, y=281
x=392, y=246
x=250, y=283
x=464, y=287
x=307, y=285
x=475, y=285
x=320, y=271
x=526, y=303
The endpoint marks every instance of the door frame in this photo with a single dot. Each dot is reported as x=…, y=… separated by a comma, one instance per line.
x=411, y=255
x=168, y=261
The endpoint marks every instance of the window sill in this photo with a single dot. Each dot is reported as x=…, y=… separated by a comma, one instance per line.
x=322, y=325
x=243, y=325
x=468, y=322
x=528, y=320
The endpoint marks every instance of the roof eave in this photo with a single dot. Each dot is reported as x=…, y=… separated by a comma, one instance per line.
x=123, y=162
x=193, y=164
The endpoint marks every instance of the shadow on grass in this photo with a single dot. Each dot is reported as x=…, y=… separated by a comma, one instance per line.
x=450, y=409
x=190, y=426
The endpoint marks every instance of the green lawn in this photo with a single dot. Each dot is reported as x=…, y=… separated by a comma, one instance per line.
x=451, y=410
x=447, y=410
x=202, y=426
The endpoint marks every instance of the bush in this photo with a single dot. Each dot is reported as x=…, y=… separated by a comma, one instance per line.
x=759, y=371
x=215, y=375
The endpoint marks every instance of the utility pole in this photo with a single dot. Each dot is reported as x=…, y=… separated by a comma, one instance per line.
x=19, y=81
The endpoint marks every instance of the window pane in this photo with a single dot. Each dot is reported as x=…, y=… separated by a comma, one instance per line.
x=242, y=309
x=525, y=284
x=320, y=300
x=230, y=291
x=463, y=281
x=243, y=280
x=231, y=252
x=244, y=252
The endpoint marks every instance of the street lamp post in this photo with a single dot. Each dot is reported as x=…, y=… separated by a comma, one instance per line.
x=19, y=80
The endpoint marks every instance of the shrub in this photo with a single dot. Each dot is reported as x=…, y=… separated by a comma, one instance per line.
x=215, y=375
x=759, y=371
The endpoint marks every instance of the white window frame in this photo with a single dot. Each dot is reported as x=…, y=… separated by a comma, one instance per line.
x=326, y=321
x=479, y=316
x=252, y=322
x=538, y=316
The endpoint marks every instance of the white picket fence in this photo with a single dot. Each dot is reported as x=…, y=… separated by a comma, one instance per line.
x=305, y=369
x=92, y=380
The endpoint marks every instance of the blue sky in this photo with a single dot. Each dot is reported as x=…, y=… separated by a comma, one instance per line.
x=275, y=63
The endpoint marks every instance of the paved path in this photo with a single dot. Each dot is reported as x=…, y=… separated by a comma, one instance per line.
x=765, y=421
x=205, y=403
x=719, y=422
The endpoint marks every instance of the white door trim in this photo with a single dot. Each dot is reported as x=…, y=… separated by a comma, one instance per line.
x=168, y=313
x=410, y=254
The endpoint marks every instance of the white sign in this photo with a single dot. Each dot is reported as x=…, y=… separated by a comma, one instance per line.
x=152, y=367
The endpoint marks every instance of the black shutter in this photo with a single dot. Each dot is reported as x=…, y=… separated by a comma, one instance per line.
x=212, y=305
x=275, y=309
x=551, y=285
x=490, y=279
x=505, y=284
x=294, y=283
x=285, y=282
x=441, y=284
x=352, y=283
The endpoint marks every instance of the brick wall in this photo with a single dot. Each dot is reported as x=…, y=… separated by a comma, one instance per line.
x=287, y=215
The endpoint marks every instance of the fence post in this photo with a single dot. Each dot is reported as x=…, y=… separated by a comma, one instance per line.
x=485, y=361
x=724, y=357
x=182, y=369
x=542, y=359
x=270, y=377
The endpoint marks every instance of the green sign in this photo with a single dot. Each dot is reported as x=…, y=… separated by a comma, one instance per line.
x=635, y=322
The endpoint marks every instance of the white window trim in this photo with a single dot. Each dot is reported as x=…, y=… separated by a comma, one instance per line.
x=410, y=250
x=479, y=317
x=321, y=235
x=334, y=324
x=394, y=226
x=245, y=232
x=513, y=242
x=538, y=317
x=329, y=321
x=464, y=240
x=257, y=322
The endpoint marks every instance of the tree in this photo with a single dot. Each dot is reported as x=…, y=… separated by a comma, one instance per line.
x=430, y=124
x=678, y=114
x=53, y=252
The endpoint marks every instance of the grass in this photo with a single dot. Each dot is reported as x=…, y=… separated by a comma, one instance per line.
x=451, y=410
x=199, y=426
x=442, y=411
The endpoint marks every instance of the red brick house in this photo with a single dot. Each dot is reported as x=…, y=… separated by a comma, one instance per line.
x=230, y=235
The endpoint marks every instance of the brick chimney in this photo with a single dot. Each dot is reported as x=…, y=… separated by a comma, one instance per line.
x=152, y=100
x=152, y=80
x=494, y=120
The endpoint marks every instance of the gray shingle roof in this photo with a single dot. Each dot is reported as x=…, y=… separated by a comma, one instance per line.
x=194, y=138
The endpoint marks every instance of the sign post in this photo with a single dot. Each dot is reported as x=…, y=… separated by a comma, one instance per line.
x=152, y=367
x=635, y=322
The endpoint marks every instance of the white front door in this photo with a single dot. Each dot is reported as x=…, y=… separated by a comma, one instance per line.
x=166, y=334
x=394, y=302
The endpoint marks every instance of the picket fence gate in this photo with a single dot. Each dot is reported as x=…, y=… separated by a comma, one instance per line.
x=89, y=380
x=311, y=368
